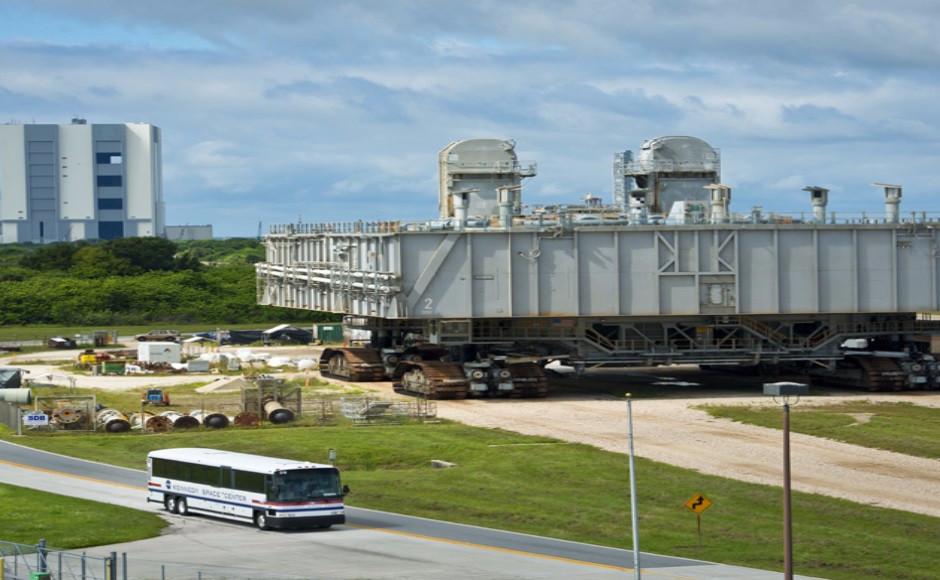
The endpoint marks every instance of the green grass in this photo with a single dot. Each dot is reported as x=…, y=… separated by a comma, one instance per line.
x=68, y=523
x=900, y=427
x=542, y=486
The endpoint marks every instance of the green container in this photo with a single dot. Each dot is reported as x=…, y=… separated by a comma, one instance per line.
x=40, y=575
x=113, y=368
x=329, y=333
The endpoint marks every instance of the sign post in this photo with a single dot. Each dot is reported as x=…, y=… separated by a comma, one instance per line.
x=699, y=503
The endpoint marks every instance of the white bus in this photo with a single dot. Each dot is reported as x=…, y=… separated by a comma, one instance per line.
x=272, y=493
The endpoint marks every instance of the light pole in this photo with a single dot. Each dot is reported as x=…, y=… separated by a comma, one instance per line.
x=785, y=391
x=636, y=532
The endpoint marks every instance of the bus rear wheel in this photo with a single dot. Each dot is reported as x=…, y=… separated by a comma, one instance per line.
x=169, y=503
x=181, y=507
x=261, y=521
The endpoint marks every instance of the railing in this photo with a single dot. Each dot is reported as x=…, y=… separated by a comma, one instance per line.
x=579, y=219
x=39, y=561
x=25, y=562
x=645, y=166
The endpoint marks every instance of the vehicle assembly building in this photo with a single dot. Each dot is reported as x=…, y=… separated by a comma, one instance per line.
x=61, y=183
x=477, y=301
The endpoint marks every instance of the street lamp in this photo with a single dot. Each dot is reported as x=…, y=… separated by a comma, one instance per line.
x=785, y=391
x=633, y=514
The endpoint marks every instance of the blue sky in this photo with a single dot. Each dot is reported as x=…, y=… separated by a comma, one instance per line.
x=317, y=110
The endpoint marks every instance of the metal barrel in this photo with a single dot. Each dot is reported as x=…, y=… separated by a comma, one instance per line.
x=179, y=420
x=278, y=413
x=113, y=421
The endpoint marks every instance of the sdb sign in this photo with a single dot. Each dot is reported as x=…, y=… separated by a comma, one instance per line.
x=35, y=418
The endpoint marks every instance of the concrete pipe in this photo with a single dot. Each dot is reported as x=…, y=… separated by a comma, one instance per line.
x=179, y=420
x=247, y=420
x=17, y=396
x=278, y=413
x=113, y=421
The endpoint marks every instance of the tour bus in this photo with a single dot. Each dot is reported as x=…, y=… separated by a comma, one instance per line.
x=272, y=493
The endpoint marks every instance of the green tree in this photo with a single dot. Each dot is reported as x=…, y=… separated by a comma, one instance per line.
x=57, y=256
x=146, y=253
x=97, y=262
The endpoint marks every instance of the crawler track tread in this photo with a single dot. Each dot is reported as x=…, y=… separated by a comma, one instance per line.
x=433, y=379
x=352, y=364
x=529, y=380
x=867, y=373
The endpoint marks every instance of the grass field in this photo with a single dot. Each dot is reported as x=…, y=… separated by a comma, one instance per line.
x=67, y=523
x=900, y=427
x=576, y=492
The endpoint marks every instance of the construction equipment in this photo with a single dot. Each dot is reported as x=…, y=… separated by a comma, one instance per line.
x=155, y=397
x=478, y=301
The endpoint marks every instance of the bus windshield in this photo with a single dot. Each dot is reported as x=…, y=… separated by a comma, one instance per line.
x=306, y=485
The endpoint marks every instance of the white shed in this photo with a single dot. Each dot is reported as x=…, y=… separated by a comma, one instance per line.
x=166, y=352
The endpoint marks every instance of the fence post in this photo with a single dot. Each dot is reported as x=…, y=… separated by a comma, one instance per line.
x=41, y=554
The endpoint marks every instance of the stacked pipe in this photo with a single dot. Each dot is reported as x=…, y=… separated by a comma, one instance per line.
x=113, y=421
x=179, y=420
x=150, y=422
x=211, y=420
x=278, y=413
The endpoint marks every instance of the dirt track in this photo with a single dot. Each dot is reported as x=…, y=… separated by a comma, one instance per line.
x=669, y=430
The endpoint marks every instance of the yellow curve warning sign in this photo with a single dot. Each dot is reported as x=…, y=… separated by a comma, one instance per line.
x=698, y=503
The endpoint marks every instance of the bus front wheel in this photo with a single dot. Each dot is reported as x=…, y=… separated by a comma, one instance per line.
x=261, y=521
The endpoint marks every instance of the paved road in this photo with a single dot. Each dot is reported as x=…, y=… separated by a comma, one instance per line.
x=372, y=544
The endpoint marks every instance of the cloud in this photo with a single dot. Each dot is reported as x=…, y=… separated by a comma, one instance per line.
x=338, y=110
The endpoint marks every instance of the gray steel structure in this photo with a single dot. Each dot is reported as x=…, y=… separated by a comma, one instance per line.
x=597, y=288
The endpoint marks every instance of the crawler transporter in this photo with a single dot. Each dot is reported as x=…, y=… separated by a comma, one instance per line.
x=477, y=301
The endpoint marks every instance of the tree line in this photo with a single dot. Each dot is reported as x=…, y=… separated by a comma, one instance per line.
x=136, y=281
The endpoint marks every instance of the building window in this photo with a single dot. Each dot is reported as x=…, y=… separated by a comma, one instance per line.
x=110, y=230
x=109, y=158
x=111, y=203
x=110, y=181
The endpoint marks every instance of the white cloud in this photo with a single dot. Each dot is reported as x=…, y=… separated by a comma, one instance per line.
x=268, y=108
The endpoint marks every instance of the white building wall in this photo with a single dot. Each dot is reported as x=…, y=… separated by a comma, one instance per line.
x=76, y=177
x=140, y=177
x=76, y=213
x=12, y=181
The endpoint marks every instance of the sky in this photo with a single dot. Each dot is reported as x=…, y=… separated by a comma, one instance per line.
x=276, y=111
